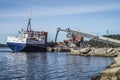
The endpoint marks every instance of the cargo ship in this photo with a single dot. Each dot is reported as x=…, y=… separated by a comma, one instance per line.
x=28, y=40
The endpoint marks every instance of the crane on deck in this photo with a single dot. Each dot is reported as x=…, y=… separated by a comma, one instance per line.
x=72, y=33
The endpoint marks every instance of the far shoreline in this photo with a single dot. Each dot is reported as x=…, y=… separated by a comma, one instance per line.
x=3, y=45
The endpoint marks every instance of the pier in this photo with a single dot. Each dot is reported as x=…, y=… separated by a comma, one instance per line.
x=58, y=49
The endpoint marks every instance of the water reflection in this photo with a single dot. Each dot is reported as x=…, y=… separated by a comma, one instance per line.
x=36, y=66
x=49, y=66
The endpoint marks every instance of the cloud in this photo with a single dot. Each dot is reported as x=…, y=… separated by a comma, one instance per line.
x=75, y=9
x=51, y=11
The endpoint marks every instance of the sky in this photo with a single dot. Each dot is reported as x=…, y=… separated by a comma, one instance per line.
x=91, y=16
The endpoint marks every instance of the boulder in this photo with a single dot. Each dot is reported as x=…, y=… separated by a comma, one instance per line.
x=111, y=73
x=109, y=50
x=74, y=52
x=85, y=50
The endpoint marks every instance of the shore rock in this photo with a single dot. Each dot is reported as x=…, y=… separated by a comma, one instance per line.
x=80, y=51
x=111, y=73
x=85, y=50
x=95, y=52
x=74, y=52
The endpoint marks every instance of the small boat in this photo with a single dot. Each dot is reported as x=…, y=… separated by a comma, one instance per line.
x=28, y=40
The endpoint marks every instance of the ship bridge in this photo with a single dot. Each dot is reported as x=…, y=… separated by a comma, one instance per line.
x=90, y=36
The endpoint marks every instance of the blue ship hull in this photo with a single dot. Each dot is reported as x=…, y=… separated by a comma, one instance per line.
x=18, y=47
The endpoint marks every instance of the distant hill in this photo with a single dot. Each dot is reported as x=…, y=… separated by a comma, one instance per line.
x=3, y=45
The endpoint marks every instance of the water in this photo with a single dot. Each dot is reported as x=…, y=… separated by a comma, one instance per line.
x=49, y=66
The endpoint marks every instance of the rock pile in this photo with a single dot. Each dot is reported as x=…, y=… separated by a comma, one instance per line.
x=111, y=52
x=80, y=51
x=111, y=73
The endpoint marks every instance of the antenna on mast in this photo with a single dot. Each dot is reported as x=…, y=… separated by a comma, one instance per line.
x=29, y=21
x=29, y=13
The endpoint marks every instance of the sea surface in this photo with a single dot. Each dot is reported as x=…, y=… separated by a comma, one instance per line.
x=49, y=66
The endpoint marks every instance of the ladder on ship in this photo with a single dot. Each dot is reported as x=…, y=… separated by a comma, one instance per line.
x=91, y=36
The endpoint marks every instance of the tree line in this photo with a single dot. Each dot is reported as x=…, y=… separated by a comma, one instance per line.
x=3, y=45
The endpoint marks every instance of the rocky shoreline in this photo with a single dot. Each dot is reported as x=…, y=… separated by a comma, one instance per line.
x=104, y=52
x=112, y=71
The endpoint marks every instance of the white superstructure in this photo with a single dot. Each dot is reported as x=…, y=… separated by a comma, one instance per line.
x=33, y=37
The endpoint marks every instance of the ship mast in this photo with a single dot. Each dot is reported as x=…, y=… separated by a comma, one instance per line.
x=29, y=25
x=29, y=22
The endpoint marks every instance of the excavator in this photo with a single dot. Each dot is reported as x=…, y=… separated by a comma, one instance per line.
x=73, y=39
